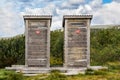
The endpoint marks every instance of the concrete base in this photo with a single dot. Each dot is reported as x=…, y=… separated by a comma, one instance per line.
x=28, y=70
x=32, y=71
x=97, y=67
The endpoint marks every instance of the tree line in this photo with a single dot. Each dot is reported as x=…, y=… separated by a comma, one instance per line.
x=105, y=47
x=12, y=51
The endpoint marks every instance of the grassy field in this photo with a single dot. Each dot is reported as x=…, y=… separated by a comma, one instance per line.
x=112, y=73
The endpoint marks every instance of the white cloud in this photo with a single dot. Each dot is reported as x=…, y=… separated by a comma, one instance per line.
x=88, y=7
x=48, y=10
x=96, y=4
x=10, y=21
x=108, y=14
x=83, y=9
x=56, y=24
x=117, y=0
x=66, y=12
x=72, y=4
x=102, y=13
x=75, y=1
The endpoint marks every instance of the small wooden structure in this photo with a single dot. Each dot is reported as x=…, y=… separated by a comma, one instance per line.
x=77, y=40
x=37, y=35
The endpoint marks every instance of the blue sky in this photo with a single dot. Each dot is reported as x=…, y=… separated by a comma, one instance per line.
x=107, y=1
x=11, y=12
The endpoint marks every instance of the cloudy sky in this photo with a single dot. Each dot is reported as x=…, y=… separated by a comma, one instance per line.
x=12, y=11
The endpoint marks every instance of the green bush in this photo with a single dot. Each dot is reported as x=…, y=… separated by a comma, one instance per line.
x=95, y=72
x=54, y=61
x=113, y=65
x=55, y=71
x=105, y=45
x=100, y=72
x=10, y=75
x=12, y=51
x=89, y=72
x=15, y=76
x=56, y=48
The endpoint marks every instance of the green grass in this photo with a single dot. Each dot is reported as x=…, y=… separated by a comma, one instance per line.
x=10, y=75
x=96, y=75
x=113, y=73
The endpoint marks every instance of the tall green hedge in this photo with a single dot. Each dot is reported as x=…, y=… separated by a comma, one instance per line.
x=105, y=46
x=12, y=51
x=56, y=49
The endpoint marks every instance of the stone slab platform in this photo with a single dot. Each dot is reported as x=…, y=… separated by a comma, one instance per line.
x=32, y=71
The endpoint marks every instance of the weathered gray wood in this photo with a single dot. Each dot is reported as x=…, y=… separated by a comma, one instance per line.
x=26, y=41
x=88, y=43
x=37, y=33
x=65, y=45
x=77, y=40
x=48, y=45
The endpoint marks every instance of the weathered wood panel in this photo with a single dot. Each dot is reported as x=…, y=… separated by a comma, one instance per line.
x=77, y=40
x=37, y=43
x=77, y=43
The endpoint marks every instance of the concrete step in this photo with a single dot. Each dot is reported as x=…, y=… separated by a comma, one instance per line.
x=34, y=70
x=38, y=70
x=30, y=74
